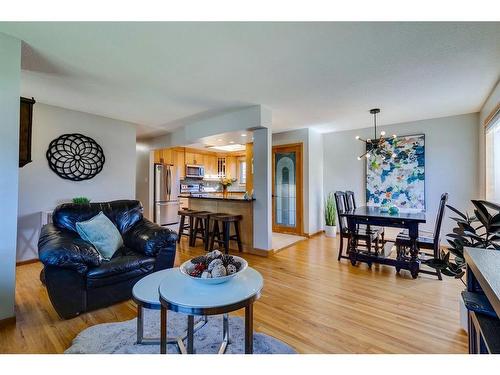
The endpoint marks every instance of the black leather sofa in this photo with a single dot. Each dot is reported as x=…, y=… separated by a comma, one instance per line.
x=76, y=278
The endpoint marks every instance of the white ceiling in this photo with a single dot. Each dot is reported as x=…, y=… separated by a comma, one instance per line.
x=324, y=75
x=223, y=139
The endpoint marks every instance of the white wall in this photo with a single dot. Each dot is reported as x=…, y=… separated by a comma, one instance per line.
x=262, y=219
x=10, y=81
x=312, y=170
x=451, y=161
x=143, y=167
x=41, y=189
x=316, y=193
x=488, y=107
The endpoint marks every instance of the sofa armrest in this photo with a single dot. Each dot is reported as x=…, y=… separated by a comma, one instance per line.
x=64, y=248
x=150, y=238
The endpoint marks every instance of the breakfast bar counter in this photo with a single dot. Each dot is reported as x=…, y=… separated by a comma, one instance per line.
x=234, y=204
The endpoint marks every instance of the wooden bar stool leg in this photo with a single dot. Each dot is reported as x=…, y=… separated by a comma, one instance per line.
x=238, y=238
x=181, y=228
x=215, y=232
x=191, y=230
x=226, y=237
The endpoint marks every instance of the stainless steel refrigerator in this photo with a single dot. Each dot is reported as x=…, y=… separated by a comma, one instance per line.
x=166, y=194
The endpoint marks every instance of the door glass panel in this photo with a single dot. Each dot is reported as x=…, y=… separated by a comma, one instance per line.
x=285, y=189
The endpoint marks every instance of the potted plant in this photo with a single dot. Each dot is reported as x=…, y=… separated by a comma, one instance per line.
x=225, y=183
x=482, y=230
x=330, y=216
x=80, y=200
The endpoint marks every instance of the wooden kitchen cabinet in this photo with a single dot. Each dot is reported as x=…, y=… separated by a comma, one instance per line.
x=165, y=156
x=194, y=158
x=210, y=163
x=189, y=157
x=231, y=166
x=180, y=164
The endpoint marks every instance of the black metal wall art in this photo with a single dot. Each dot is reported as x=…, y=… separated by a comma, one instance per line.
x=75, y=157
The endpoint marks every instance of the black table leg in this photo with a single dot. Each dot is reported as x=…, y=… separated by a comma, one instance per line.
x=190, y=335
x=414, y=261
x=163, y=331
x=249, y=329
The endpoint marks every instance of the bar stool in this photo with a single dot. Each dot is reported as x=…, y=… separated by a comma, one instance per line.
x=201, y=228
x=185, y=229
x=222, y=234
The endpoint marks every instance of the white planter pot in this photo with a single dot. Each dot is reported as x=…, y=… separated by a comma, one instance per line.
x=464, y=316
x=331, y=230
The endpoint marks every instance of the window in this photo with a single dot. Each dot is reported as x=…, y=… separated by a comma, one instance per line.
x=242, y=171
x=221, y=167
x=493, y=160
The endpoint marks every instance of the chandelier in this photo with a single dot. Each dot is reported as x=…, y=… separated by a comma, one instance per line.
x=377, y=146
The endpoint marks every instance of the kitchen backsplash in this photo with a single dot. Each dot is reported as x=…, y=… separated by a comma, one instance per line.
x=214, y=185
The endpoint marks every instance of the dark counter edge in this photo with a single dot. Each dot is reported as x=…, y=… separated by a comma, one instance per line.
x=483, y=279
x=220, y=198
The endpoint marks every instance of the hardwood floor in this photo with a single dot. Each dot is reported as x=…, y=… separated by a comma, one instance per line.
x=310, y=301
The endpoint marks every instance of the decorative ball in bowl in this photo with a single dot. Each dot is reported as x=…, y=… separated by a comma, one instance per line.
x=213, y=268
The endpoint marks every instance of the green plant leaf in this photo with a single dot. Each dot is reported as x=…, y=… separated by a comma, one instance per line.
x=482, y=212
x=447, y=272
x=437, y=264
x=491, y=205
x=457, y=211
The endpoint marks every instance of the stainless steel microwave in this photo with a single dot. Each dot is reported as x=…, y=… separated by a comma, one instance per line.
x=195, y=171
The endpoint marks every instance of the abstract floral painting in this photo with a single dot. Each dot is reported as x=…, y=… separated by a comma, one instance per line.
x=398, y=181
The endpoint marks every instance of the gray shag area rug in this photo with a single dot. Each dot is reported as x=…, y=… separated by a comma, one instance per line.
x=120, y=338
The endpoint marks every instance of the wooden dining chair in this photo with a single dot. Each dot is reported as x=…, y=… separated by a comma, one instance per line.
x=368, y=238
x=428, y=242
x=351, y=205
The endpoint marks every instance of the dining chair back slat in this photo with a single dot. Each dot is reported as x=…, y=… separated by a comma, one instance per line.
x=350, y=200
x=340, y=201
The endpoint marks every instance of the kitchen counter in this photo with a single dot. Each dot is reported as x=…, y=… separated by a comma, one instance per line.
x=233, y=205
x=230, y=197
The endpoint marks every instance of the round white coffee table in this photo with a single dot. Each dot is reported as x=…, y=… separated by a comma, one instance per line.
x=181, y=294
x=145, y=295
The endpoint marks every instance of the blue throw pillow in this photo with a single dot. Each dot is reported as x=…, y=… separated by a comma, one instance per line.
x=102, y=233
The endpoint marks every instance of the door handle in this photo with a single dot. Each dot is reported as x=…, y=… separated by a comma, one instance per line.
x=167, y=183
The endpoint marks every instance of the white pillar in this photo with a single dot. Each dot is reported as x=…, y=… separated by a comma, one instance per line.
x=262, y=206
x=10, y=79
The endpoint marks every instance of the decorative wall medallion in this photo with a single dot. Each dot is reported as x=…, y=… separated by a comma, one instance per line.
x=75, y=157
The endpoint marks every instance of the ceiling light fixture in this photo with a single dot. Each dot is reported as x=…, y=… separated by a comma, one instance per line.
x=376, y=146
x=231, y=147
x=243, y=135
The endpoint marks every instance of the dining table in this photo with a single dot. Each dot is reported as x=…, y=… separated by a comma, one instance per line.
x=376, y=216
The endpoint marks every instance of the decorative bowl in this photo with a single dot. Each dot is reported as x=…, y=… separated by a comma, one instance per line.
x=215, y=280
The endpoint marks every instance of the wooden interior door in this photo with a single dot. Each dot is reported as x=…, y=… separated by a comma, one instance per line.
x=287, y=189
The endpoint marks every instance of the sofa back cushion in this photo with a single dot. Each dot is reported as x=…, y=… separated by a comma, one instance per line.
x=123, y=214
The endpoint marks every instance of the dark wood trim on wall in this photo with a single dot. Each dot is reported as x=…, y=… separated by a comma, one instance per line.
x=7, y=321
x=29, y=261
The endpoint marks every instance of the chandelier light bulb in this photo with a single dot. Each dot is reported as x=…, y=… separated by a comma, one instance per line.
x=394, y=136
x=357, y=137
x=359, y=158
x=368, y=156
x=368, y=140
x=382, y=133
